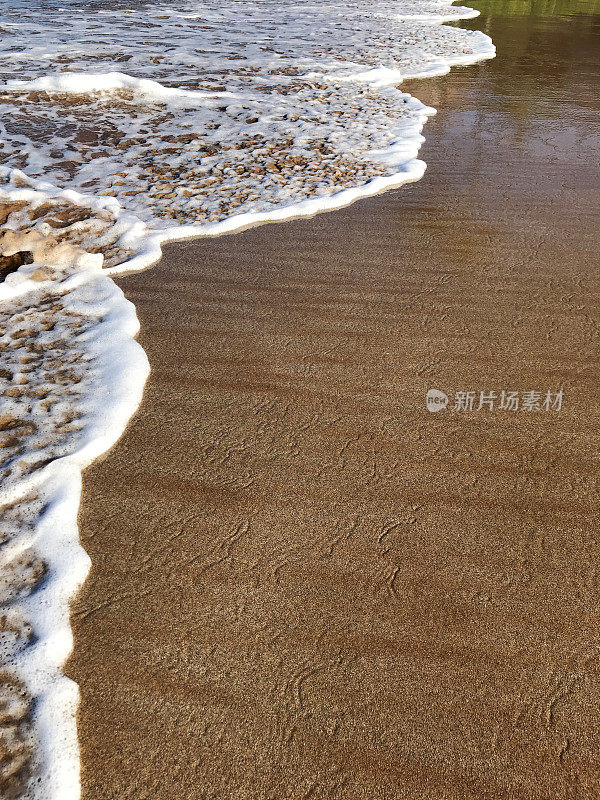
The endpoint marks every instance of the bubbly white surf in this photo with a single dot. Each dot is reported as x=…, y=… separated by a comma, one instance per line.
x=125, y=124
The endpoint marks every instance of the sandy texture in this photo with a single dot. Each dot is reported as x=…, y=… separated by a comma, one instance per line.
x=304, y=584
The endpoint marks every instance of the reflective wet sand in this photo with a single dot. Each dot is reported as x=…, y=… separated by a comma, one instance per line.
x=304, y=584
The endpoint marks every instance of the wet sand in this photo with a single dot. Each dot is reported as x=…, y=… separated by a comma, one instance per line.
x=305, y=585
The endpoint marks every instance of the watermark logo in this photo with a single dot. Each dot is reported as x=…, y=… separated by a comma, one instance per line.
x=436, y=400
x=464, y=401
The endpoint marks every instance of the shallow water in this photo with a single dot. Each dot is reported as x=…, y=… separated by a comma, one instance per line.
x=460, y=664
x=537, y=8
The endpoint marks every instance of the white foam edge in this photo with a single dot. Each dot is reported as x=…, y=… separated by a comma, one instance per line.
x=387, y=76
x=462, y=12
x=38, y=191
x=123, y=368
x=414, y=170
x=151, y=90
x=86, y=82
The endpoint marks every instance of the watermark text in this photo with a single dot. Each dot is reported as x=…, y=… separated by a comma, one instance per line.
x=491, y=400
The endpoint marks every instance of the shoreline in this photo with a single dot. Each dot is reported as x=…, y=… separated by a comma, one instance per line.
x=301, y=578
x=33, y=210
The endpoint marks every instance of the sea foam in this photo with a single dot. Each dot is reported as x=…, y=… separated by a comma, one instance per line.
x=125, y=125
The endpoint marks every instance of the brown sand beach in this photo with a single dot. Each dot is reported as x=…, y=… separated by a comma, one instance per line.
x=304, y=584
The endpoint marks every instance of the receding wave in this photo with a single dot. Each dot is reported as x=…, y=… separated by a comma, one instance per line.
x=123, y=126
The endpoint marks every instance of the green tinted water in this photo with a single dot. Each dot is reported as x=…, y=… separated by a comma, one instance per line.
x=537, y=8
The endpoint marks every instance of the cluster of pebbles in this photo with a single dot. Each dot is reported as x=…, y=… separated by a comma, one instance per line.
x=202, y=165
